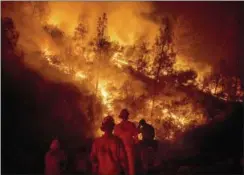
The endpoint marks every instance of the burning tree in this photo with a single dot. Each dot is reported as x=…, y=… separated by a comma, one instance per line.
x=101, y=45
x=224, y=83
x=115, y=73
x=164, y=55
x=142, y=57
x=79, y=37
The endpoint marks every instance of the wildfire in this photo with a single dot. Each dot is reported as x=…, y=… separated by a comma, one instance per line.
x=173, y=119
x=176, y=120
x=168, y=117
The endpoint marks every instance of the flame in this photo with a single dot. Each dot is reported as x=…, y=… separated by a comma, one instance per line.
x=118, y=60
x=106, y=97
x=55, y=21
x=47, y=51
x=80, y=75
x=178, y=119
x=126, y=31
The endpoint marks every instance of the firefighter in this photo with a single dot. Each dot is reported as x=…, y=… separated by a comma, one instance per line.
x=148, y=149
x=147, y=130
x=128, y=133
x=108, y=154
x=54, y=158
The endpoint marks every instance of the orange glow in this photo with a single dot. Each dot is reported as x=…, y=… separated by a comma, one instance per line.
x=54, y=21
x=128, y=25
x=80, y=75
x=106, y=97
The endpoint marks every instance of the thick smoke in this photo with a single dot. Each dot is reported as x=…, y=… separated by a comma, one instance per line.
x=129, y=22
x=125, y=21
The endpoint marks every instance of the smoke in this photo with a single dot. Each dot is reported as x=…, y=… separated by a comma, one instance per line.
x=32, y=36
x=129, y=22
x=126, y=23
x=125, y=20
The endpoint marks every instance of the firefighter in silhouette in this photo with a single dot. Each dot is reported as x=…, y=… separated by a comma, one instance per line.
x=127, y=131
x=108, y=154
x=147, y=130
x=54, y=159
x=148, y=149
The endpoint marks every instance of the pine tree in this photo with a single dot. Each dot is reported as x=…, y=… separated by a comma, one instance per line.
x=142, y=57
x=164, y=55
x=79, y=37
x=101, y=45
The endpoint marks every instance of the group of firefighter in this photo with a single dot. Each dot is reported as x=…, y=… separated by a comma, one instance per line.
x=117, y=151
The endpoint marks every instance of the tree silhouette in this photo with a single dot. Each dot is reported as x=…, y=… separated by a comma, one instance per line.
x=79, y=37
x=101, y=45
x=164, y=54
x=142, y=57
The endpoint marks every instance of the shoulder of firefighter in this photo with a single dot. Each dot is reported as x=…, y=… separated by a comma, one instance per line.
x=148, y=131
x=108, y=155
x=126, y=131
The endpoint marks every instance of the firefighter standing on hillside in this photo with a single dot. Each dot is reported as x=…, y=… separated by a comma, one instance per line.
x=148, y=149
x=147, y=130
x=108, y=154
x=53, y=159
x=128, y=133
